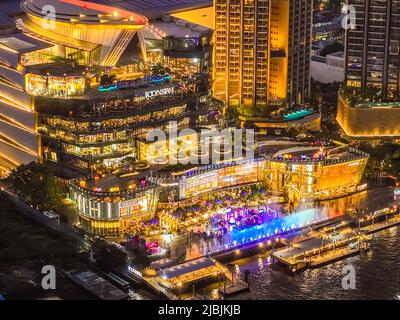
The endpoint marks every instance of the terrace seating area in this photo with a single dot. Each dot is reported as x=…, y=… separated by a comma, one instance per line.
x=120, y=104
x=121, y=107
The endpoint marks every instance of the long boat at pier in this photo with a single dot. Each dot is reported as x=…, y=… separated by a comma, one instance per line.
x=321, y=248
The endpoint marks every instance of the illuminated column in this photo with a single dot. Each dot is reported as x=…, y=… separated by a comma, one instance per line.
x=142, y=45
x=39, y=140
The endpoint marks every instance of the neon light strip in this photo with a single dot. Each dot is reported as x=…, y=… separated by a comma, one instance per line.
x=20, y=107
x=279, y=225
x=16, y=145
x=7, y=159
x=20, y=148
x=102, y=89
x=366, y=135
x=5, y=169
x=16, y=124
x=138, y=19
x=7, y=49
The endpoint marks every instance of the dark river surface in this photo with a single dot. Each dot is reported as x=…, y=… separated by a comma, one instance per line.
x=377, y=271
x=377, y=275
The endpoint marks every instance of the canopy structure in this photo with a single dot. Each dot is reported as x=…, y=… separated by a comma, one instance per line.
x=83, y=13
x=85, y=26
x=154, y=9
x=191, y=272
x=30, y=27
x=162, y=264
x=23, y=43
x=187, y=267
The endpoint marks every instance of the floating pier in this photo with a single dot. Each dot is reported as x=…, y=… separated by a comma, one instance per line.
x=381, y=225
x=321, y=248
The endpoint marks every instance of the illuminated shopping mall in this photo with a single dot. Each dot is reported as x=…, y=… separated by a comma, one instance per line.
x=104, y=208
x=53, y=104
x=299, y=173
x=82, y=91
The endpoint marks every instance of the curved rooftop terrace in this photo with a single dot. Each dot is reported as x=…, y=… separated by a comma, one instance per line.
x=83, y=12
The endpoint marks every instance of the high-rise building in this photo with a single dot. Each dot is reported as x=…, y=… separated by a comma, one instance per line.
x=372, y=46
x=53, y=55
x=262, y=52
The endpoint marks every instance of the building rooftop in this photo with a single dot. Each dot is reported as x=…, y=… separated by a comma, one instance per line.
x=380, y=105
x=315, y=153
x=339, y=54
x=186, y=267
x=7, y=25
x=154, y=9
x=8, y=7
x=84, y=12
x=22, y=43
x=179, y=29
x=111, y=181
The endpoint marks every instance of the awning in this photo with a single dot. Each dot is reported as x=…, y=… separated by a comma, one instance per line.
x=23, y=43
x=187, y=267
x=162, y=264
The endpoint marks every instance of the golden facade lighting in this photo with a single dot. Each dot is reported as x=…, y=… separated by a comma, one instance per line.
x=259, y=60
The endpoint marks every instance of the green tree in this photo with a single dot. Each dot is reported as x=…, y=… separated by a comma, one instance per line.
x=108, y=255
x=36, y=184
x=160, y=70
x=107, y=79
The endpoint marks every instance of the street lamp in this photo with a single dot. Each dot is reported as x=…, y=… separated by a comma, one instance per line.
x=180, y=290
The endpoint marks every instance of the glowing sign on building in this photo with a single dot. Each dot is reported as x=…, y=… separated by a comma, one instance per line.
x=136, y=83
x=159, y=92
x=55, y=86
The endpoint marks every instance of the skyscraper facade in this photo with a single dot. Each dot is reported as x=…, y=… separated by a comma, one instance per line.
x=368, y=105
x=372, y=46
x=262, y=52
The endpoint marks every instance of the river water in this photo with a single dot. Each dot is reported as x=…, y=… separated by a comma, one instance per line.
x=377, y=272
x=304, y=214
x=377, y=275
